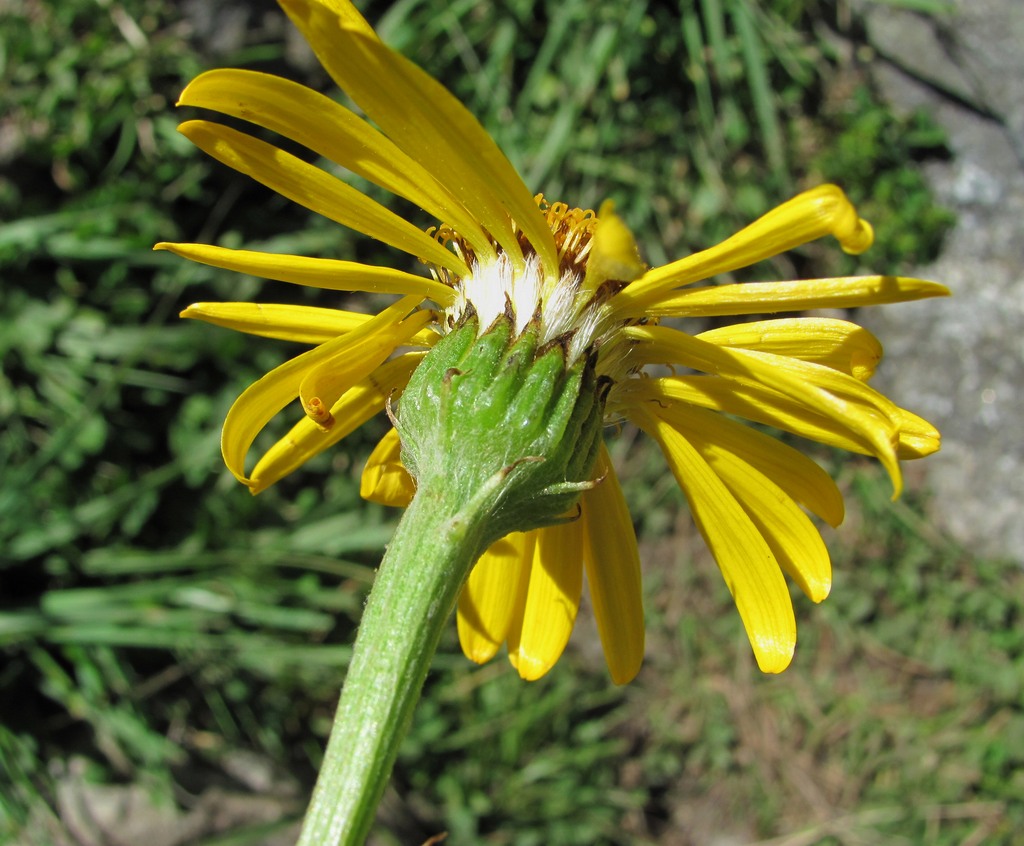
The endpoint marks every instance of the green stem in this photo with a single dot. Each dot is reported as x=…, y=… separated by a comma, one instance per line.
x=427, y=561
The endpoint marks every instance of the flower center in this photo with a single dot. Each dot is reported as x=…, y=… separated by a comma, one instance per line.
x=569, y=309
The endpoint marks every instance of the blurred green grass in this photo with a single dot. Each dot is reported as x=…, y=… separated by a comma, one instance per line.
x=157, y=623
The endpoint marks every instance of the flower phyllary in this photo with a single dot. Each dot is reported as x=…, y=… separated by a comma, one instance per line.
x=533, y=298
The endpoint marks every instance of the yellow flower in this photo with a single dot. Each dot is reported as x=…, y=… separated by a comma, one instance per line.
x=502, y=251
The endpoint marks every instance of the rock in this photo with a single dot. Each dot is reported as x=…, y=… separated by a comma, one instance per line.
x=960, y=362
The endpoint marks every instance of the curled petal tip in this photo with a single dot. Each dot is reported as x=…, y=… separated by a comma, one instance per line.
x=854, y=233
x=859, y=239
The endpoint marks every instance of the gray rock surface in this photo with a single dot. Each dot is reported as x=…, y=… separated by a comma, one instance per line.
x=960, y=362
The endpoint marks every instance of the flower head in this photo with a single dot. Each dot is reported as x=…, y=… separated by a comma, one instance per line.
x=566, y=283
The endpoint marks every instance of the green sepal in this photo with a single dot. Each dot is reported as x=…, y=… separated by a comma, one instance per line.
x=430, y=379
x=503, y=423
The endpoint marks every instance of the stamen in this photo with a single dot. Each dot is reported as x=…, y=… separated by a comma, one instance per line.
x=572, y=228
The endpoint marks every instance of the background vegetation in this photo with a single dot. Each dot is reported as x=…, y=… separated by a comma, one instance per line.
x=172, y=648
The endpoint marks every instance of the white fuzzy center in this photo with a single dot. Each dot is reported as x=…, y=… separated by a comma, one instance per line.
x=563, y=308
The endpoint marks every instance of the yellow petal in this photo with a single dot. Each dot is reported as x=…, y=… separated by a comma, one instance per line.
x=838, y=344
x=866, y=411
x=426, y=122
x=493, y=593
x=334, y=132
x=824, y=210
x=796, y=474
x=305, y=324
x=918, y=437
x=794, y=541
x=258, y=405
x=613, y=573
x=756, y=403
x=359, y=353
x=313, y=188
x=348, y=16
x=819, y=389
x=743, y=555
x=330, y=274
x=306, y=440
x=613, y=251
x=385, y=479
x=552, y=600
x=771, y=297
x=262, y=400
